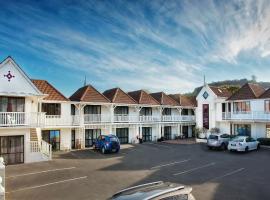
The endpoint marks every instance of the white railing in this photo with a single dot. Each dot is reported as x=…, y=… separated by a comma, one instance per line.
x=61, y=120
x=149, y=118
x=96, y=118
x=126, y=118
x=252, y=115
x=41, y=147
x=21, y=119
x=178, y=118
x=46, y=149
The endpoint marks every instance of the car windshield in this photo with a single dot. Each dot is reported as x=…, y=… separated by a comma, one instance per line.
x=213, y=137
x=238, y=139
x=113, y=139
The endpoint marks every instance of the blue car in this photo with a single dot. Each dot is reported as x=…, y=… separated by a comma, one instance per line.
x=107, y=143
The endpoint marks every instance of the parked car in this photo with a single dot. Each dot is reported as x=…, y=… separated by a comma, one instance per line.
x=220, y=141
x=243, y=143
x=107, y=143
x=155, y=191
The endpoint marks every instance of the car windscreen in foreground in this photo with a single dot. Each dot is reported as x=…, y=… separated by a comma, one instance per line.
x=213, y=137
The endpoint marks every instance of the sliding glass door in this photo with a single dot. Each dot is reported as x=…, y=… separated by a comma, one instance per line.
x=53, y=138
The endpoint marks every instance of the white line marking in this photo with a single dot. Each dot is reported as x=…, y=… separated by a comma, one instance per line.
x=48, y=184
x=193, y=169
x=228, y=174
x=40, y=172
x=169, y=164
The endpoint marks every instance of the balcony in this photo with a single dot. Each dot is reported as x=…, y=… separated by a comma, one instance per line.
x=149, y=118
x=178, y=118
x=96, y=118
x=126, y=118
x=246, y=116
x=60, y=120
x=12, y=119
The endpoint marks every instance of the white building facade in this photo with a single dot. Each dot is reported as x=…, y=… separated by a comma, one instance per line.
x=36, y=119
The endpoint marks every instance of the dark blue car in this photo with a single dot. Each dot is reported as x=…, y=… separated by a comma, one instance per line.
x=107, y=143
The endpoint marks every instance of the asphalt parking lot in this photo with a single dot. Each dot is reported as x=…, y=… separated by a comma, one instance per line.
x=87, y=174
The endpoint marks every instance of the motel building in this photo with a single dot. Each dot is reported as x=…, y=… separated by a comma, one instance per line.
x=246, y=112
x=37, y=120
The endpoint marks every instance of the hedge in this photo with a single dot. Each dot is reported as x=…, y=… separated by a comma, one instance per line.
x=264, y=141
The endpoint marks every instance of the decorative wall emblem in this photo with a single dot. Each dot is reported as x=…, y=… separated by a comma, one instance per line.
x=9, y=76
x=205, y=95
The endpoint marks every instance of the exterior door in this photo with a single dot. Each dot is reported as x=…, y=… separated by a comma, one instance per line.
x=90, y=136
x=206, y=116
x=12, y=149
x=147, y=134
x=53, y=138
x=73, y=140
x=167, y=132
x=122, y=134
x=185, y=131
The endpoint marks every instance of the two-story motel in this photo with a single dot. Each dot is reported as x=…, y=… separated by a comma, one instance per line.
x=36, y=119
x=245, y=112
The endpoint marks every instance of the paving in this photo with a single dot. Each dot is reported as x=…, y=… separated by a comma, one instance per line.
x=87, y=174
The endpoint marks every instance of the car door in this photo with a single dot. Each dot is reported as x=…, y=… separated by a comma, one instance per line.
x=253, y=143
x=249, y=143
x=97, y=142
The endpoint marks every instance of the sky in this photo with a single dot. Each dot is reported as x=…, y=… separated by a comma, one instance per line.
x=153, y=45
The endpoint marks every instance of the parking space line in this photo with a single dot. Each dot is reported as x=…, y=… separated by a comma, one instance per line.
x=169, y=164
x=48, y=184
x=194, y=169
x=228, y=174
x=40, y=172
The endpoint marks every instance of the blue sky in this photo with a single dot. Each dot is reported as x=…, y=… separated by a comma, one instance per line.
x=154, y=45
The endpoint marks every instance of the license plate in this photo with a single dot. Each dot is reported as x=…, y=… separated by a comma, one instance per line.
x=233, y=144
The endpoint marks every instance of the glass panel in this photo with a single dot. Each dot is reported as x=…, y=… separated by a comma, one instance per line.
x=3, y=104
x=51, y=108
x=121, y=110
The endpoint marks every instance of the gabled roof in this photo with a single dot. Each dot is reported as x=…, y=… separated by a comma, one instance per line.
x=164, y=99
x=220, y=92
x=143, y=97
x=46, y=88
x=88, y=94
x=248, y=91
x=116, y=95
x=266, y=94
x=18, y=84
x=183, y=100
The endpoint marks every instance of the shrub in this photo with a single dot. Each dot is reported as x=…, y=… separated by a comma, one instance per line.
x=264, y=141
x=214, y=130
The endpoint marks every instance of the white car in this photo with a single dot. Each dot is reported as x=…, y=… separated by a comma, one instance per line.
x=243, y=143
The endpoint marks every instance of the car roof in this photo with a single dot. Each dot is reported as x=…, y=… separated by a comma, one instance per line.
x=148, y=191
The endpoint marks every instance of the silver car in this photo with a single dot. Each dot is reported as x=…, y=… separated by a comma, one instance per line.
x=155, y=191
x=218, y=141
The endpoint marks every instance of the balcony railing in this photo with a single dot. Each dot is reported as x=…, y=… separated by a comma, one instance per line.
x=96, y=118
x=149, y=118
x=61, y=120
x=126, y=118
x=252, y=115
x=9, y=119
x=178, y=118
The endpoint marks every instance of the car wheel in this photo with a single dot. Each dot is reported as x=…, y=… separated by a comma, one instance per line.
x=103, y=151
x=258, y=146
x=246, y=149
x=223, y=147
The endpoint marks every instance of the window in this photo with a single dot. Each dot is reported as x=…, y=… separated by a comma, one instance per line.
x=51, y=108
x=223, y=107
x=92, y=109
x=185, y=112
x=121, y=110
x=224, y=136
x=267, y=105
x=122, y=134
x=242, y=129
x=12, y=104
x=146, y=111
x=91, y=135
x=73, y=109
x=241, y=106
x=147, y=134
x=167, y=111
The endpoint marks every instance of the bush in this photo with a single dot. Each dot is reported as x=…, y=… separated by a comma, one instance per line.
x=264, y=141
